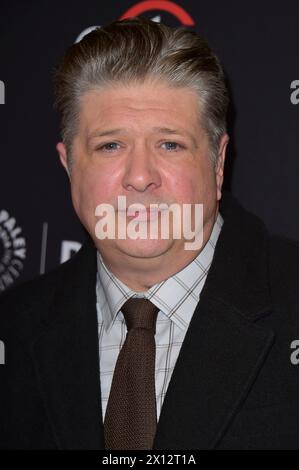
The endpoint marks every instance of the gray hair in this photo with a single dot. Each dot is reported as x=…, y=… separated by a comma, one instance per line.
x=135, y=50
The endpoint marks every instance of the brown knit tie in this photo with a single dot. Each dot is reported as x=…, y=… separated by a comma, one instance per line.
x=131, y=419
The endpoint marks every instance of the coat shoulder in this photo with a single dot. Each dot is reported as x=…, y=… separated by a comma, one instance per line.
x=18, y=303
x=29, y=307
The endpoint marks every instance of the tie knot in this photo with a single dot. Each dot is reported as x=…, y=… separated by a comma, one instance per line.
x=140, y=313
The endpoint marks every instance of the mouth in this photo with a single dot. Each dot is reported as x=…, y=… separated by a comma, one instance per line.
x=150, y=213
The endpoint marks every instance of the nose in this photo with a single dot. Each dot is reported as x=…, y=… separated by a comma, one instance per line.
x=141, y=171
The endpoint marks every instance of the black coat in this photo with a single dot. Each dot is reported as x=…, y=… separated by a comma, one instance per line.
x=234, y=385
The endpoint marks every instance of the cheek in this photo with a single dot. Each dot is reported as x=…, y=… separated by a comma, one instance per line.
x=96, y=186
x=192, y=184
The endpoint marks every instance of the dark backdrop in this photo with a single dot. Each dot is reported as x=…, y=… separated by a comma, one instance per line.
x=257, y=43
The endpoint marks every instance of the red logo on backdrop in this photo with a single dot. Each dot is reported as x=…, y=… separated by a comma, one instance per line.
x=169, y=7
x=147, y=6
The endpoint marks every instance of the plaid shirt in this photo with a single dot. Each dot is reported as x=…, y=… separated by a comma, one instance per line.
x=176, y=298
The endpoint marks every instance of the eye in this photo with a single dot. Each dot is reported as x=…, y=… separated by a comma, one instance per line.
x=109, y=147
x=172, y=146
x=112, y=146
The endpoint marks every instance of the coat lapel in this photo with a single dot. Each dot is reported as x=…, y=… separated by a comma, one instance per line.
x=223, y=350
x=219, y=360
x=66, y=356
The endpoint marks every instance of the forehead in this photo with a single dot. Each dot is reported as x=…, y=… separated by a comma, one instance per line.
x=139, y=105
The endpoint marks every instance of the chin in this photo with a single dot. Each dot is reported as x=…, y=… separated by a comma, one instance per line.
x=144, y=248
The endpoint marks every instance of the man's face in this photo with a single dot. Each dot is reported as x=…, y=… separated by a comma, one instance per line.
x=144, y=142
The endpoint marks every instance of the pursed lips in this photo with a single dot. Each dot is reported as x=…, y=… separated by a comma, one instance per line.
x=149, y=213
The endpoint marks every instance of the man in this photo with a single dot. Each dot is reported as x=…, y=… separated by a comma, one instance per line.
x=140, y=343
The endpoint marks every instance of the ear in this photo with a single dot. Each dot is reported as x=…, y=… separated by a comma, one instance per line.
x=60, y=147
x=220, y=164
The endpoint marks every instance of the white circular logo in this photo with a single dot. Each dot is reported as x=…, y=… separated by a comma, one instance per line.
x=12, y=250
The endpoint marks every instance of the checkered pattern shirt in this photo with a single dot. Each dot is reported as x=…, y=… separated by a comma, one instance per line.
x=176, y=298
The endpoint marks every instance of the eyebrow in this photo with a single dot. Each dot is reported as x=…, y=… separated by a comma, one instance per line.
x=161, y=130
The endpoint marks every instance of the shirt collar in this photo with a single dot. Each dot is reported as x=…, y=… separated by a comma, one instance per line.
x=176, y=296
